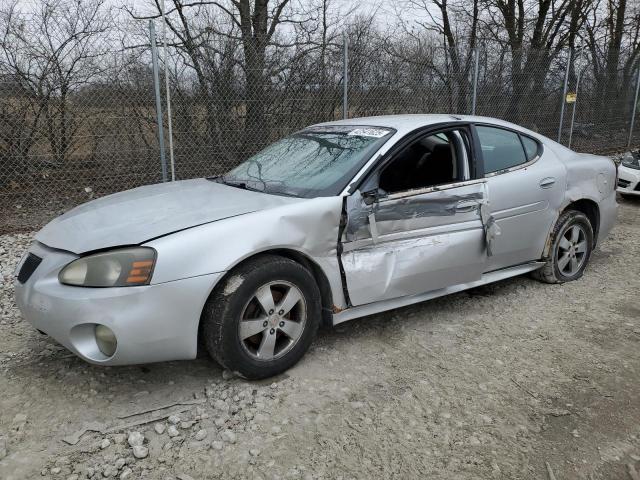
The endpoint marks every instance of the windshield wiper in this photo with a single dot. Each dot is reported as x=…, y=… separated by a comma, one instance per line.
x=242, y=185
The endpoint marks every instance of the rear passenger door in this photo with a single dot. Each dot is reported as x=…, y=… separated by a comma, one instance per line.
x=525, y=187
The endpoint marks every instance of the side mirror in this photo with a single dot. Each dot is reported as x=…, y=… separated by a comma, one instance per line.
x=370, y=196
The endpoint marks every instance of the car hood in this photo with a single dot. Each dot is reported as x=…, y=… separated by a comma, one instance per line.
x=135, y=216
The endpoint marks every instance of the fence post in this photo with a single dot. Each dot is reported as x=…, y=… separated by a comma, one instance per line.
x=168, y=93
x=635, y=106
x=345, y=86
x=475, y=81
x=564, y=96
x=575, y=104
x=156, y=85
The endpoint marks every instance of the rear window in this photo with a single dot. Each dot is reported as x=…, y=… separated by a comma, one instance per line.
x=530, y=147
x=503, y=149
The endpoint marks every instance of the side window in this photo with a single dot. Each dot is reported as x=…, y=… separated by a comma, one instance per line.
x=501, y=149
x=435, y=159
x=530, y=147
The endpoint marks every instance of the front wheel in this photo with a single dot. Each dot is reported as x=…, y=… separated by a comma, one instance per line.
x=571, y=247
x=263, y=317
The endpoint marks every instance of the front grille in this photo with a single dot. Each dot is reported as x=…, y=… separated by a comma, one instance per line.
x=28, y=267
x=623, y=183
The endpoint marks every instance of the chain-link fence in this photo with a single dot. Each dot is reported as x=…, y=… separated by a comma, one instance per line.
x=66, y=140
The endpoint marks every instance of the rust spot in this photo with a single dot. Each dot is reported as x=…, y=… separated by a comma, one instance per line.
x=336, y=309
x=546, y=253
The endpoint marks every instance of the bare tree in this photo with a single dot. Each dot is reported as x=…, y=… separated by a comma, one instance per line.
x=456, y=23
x=210, y=33
x=534, y=33
x=48, y=54
x=613, y=39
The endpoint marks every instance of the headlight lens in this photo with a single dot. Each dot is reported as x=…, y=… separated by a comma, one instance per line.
x=125, y=267
x=632, y=161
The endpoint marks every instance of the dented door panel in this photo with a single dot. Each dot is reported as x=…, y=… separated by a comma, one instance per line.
x=413, y=243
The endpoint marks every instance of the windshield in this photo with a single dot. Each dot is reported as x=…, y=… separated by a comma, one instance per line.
x=314, y=162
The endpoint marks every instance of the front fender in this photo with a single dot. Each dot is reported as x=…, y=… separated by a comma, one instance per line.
x=309, y=227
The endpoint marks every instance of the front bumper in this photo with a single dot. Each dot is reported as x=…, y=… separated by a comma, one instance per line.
x=628, y=180
x=152, y=323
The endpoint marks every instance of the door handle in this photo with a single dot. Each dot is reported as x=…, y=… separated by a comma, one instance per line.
x=547, y=182
x=466, y=206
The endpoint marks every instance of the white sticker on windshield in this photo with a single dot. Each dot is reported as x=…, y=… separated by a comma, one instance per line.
x=369, y=132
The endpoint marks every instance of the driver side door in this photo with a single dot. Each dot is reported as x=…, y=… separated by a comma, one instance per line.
x=425, y=236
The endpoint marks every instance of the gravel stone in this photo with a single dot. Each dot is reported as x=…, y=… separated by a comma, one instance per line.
x=220, y=421
x=20, y=418
x=140, y=451
x=221, y=405
x=172, y=431
x=228, y=436
x=126, y=474
x=105, y=443
x=110, y=471
x=159, y=428
x=135, y=439
x=201, y=435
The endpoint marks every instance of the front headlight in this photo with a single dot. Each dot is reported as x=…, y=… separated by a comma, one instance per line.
x=632, y=161
x=124, y=267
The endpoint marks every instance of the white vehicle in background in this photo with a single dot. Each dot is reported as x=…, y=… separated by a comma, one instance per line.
x=629, y=175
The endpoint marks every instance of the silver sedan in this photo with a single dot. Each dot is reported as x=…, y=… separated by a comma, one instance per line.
x=337, y=221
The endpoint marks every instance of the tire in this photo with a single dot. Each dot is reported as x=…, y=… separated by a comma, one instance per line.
x=237, y=308
x=558, y=269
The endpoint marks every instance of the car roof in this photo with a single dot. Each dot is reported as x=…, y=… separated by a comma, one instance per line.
x=409, y=122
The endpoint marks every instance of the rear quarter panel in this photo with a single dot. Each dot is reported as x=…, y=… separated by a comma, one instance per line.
x=590, y=177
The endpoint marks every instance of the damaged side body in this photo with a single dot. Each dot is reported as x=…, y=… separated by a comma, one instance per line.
x=590, y=181
x=415, y=242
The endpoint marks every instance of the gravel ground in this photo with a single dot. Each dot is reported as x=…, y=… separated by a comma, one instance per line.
x=491, y=383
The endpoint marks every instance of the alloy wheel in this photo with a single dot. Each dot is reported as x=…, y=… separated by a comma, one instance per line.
x=572, y=250
x=273, y=320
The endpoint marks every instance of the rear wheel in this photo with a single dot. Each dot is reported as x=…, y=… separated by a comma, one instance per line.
x=571, y=247
x=263, y=318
